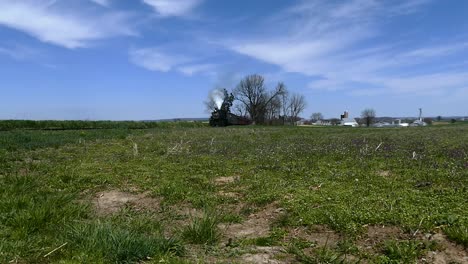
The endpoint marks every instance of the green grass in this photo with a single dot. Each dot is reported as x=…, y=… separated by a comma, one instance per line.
x=406, y=251
x=119, y=245
x=334, y=177
x=458, y=234
x=203, y=230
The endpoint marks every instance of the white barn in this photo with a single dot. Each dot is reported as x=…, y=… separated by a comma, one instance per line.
x=349, y=122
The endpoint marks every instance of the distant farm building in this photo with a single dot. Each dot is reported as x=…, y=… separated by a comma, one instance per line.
x=394, y=123
x=322, y=123
x=347, y=121
x=420, y=120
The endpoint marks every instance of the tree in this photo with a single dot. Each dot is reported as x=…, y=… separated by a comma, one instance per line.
x=316, y=116
x=239, y=110
x=284, y=101
x=439, y=118
x=428, y=120
x=368, y=115
x=334, y=121
x=297, y=104
x=253, y=94
x=273, y=110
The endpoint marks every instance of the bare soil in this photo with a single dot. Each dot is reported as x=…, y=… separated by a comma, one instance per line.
x=257, y=224
x=320, y=235
x=450, y=252
x=384, y=173
x=376, y=235
x=226, y=180
x=110, y=202
x=267, y=255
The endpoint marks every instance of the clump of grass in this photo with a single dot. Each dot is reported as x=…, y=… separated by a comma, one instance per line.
x=274, y=239
x=406, y=251
x=203, y=230
x=321, y=255
x=104, y=241
x=230, y=218
x=347, y=246
x=458, y=234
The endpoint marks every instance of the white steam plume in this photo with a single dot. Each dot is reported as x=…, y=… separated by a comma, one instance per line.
x=217, y=95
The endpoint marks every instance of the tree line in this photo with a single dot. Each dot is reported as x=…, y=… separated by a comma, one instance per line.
x=251, y=98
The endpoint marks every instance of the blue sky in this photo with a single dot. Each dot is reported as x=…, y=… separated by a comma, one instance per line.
x=152, y=59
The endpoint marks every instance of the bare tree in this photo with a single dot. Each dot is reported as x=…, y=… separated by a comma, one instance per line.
x=284, y=102
x=368, y=115
x=316, y=116
x=239, y=109
x=253, y=94
x=273, y=110
x=297, y=104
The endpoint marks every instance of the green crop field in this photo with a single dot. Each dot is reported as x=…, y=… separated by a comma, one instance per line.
x=174, y=194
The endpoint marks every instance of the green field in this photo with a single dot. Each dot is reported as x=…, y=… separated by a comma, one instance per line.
x=174, y=194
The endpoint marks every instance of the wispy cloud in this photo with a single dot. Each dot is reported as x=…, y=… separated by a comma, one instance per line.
x=193, y=69
x=329, y=41
x=155, y=59
x=162, y=60
x=168, y=8
x=19, y=52
x=102, y=2
x=67, y=28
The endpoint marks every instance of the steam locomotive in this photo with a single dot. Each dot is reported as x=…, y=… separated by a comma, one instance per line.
x=221, y=118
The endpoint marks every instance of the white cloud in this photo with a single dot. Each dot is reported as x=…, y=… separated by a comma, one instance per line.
x=193, y=69
x=102, y=2
x=42, y=20
x=155, y=59
x=162, y=60
x=437, y=51
x=173, y=7
x=331, y=41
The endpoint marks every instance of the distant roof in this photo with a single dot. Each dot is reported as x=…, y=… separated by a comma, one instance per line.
x=348, y=119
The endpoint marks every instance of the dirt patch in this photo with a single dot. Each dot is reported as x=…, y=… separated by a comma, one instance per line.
x=450, y=252
x=377, y=234
x=320, y=235
x=110, y=202
x=229, y=194
x=23, y=172
x=384, y=173
x=187, y=211
x=257, y=224
x=226, y=180
x=270, y=255
x=273, y=255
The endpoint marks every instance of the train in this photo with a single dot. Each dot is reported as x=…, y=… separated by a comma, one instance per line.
x=222, y=118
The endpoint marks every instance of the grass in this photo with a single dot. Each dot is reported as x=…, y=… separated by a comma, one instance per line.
x=203, y=230
x=118, y=245
x=331, y=176
x=406, y=251
x=459, y=234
